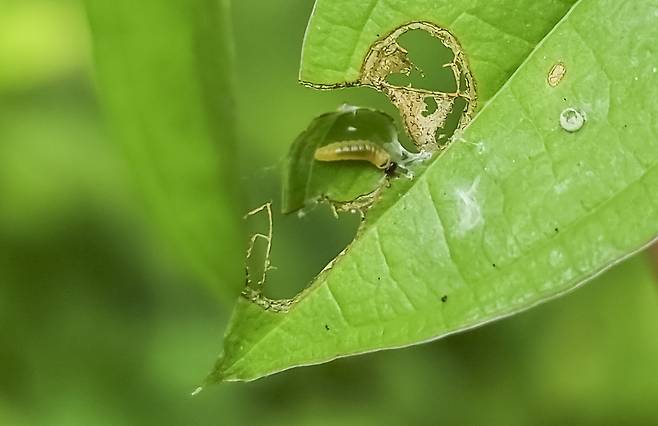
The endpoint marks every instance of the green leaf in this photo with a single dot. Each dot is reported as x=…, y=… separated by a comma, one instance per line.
x=307, y=181
x=515, y=212
x=164, y=73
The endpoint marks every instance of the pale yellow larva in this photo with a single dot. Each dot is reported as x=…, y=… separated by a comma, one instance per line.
x=360, y=150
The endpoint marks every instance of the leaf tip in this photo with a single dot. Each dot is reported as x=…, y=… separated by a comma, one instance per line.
x=215, y=377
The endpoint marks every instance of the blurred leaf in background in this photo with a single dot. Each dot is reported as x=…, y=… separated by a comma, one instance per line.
x=99, y=327
x=40, y=40
x=165, y=73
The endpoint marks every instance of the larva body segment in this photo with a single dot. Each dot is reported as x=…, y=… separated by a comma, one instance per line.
x=359, y=150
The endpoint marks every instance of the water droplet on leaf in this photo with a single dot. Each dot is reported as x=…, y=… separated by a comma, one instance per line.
x=572, y=120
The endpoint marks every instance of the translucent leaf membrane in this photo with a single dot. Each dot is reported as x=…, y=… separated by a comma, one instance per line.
x=308, y=181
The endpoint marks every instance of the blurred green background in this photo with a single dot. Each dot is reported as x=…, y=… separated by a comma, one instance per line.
x=99, y=327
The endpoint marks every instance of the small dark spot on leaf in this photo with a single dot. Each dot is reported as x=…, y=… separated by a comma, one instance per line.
x=379, y=278
x=557, y=229
x=326, y=327
x=564, y=99
x=444, y=299
x=494, y=265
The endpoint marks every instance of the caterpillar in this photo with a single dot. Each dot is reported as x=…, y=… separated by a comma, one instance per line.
x=360, y=150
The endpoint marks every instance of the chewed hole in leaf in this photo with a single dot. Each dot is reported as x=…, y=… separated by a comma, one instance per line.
x=276, y=243
x=452, y=123
x=258, y=262
x=417, y=66
x=423, y=70
x=430, y=106
x=427, y=54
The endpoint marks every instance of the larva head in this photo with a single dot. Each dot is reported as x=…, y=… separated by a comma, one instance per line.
x=391, y=168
